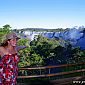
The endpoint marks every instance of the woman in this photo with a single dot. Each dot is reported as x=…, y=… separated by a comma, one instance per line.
x=9, y=60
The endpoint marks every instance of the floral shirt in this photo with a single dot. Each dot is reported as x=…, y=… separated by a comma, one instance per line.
x=8, y=69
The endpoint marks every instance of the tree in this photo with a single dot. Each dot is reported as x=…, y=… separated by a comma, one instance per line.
x=44, y=47
x=24, y=53
x=4, y=30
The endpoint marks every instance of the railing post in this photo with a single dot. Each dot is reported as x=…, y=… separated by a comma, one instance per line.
x=40, y=72
x=49, y=72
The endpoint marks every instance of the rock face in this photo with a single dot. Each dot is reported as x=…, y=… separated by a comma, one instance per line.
x=76, y=37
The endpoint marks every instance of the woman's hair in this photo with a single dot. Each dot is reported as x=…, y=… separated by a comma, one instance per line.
x=5, y=44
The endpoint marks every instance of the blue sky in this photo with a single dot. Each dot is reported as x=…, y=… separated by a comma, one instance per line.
x=42, y=13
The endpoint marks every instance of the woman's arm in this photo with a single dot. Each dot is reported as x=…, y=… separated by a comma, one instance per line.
x=20, y=47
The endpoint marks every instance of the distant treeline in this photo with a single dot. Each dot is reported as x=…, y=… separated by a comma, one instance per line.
x=40, y=30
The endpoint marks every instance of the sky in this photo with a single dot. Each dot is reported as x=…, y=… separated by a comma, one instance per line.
x=42, y=13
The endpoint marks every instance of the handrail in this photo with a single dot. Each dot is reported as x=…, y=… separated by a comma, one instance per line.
x=45, y=67
x=52, y=74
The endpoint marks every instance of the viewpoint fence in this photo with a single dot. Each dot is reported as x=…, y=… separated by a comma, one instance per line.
x=47, y=71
